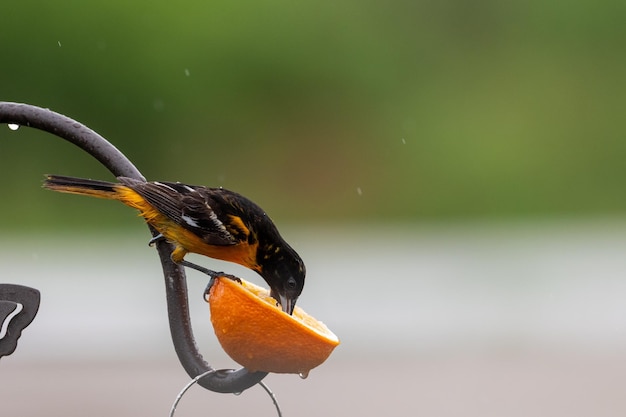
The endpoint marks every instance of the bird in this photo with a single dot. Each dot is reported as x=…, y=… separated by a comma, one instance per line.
x=214, y=222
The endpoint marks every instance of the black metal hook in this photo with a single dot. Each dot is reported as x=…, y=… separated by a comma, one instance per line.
x=224, y=381
x=18, y=308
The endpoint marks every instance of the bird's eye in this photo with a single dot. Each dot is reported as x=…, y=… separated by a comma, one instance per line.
x=291, y=283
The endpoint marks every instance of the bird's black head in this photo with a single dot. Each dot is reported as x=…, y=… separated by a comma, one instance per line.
x=284, y=271
x=279, y=265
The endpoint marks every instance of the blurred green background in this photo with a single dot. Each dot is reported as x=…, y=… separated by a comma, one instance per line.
x=342, y=111
x=389, y=114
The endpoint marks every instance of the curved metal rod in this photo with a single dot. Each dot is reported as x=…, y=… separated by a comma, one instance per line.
x=224, y=381
x=72, y=131
x=199, y=377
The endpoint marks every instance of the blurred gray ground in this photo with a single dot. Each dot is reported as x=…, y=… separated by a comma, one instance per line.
x=449, y=320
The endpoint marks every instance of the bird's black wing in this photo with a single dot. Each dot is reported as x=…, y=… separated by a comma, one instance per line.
x=186, y=205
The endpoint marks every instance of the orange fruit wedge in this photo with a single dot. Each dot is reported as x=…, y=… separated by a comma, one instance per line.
x=258, y=335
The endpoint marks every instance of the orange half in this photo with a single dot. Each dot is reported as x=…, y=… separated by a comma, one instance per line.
x=258, y=335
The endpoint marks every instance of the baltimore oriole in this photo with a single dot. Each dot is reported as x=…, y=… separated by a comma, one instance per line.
x=214, y=222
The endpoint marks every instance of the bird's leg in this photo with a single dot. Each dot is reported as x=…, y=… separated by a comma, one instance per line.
x=177, y=257
x=209, y=272
x=156, y=239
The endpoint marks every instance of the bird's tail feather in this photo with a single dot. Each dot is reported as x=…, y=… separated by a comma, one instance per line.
x=72, y=185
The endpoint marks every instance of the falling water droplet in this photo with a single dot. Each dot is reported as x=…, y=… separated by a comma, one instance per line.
x=237, y=393
x=187, y=72
x=359, y=191
x=403, y=141
x=304, y=375
x=13, y=126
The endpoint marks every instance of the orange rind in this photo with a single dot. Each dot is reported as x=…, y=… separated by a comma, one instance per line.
x=258, y=335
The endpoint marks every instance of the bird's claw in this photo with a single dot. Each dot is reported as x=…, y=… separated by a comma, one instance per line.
x=156, y=239
x=214, y=276
x=231, y=277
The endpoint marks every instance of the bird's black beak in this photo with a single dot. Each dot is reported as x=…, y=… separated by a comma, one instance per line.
x=287, y=304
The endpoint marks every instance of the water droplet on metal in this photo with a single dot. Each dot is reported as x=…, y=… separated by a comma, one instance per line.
x=237, y=393
x=304, y=375
x=13, y=126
